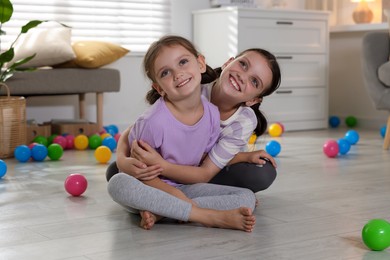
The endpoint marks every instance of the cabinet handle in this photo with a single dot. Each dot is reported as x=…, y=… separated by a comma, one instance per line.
x=284, y=92
x=284, y=57
x=284, y=23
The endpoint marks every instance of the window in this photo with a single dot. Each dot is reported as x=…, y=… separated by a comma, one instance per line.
x=134, y=24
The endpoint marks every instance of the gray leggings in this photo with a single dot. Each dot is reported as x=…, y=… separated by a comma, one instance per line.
x=134, y=195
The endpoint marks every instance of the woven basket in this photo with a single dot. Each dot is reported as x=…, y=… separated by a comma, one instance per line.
x=12, y=123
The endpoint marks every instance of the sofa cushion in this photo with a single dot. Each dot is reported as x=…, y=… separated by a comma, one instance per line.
x=64, y=81
x=51, y=46
x=384, y=74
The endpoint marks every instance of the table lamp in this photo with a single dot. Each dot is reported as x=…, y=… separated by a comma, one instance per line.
x=362, y=13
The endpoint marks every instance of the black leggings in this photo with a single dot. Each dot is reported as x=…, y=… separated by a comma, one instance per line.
x=245, y=175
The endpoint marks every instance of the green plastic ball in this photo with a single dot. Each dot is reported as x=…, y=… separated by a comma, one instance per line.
x=376, y=234
x=55, y=151
x=351, y=121
x=39, y=139
x=51, y=138
x=94, y=141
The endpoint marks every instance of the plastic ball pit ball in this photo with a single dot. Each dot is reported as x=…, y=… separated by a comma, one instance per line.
x=281, y=125
x=55, y=151
x=3, y=168
x=103, y=154
x=94, y=141
x=344, y=146
x=69, y=141
x=22, y=153
x=76, y=184
x=41, y=140
x=331, y=148
x=39, y=152
x=61, y=140
x=383, y=131
x=252, y=139
x=376, y=234
x=275, y=130
x=351, y=121
x=51, y=138
x=334, y=121
x=273, y=148
x=352, y=137
x=110, y=142
x=81, y=142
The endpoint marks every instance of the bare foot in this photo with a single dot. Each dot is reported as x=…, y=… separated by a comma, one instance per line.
x=241, y=219
x=148, y=219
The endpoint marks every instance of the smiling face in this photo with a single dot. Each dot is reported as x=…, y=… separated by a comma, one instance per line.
x=177, y=73
x=245, y=78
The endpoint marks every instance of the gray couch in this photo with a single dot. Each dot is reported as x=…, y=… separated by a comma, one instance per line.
x=69, y=81
x=376, y=72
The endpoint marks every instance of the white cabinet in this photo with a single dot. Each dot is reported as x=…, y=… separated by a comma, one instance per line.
x=300, y=41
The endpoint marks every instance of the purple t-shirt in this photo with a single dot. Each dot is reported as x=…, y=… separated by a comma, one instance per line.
x=176, y=142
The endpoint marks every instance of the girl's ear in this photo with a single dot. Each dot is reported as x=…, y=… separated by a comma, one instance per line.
x=158, y=89
x=227, y=62
x=202, y=63
x=253, y=101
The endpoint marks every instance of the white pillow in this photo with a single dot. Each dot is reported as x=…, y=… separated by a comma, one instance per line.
x=52, y=46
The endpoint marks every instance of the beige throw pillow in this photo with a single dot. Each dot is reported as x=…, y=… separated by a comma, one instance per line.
x=51, y=46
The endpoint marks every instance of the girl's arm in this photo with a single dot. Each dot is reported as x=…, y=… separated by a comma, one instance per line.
x=130, y=165
x=193, y=174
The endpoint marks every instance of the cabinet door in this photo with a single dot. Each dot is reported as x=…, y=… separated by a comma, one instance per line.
x=300, y=107
x=282, y=36
x=302, y=70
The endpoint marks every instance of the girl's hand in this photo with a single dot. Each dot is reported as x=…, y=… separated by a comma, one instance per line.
x=260, y=157
x=145, y=153
x=137, y=169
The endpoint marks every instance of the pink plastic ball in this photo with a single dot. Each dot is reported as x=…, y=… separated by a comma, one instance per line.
x=117, y=136
x=331, y=148
x=75, y=184
x=69, y=141
x=59, y=139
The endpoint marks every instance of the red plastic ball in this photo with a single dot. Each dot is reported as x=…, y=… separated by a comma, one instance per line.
x=76, y=184
x=59, y=139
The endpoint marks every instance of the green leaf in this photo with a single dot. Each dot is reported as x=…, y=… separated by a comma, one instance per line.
x=30, y=25
x=7, y=56
x=21, y=62
x=6, y=10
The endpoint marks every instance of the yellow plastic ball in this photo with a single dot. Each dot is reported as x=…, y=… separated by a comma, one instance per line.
x=81, y=142
x=275, y=130
x=103, y=154
x=104, y=135
x=252, y=139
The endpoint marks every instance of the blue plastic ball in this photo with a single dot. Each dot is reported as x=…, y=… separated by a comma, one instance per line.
x=111, y=129
x=273, y=148
x=3, y=168
x=334, y=121
x=39, y=152
x=22, y=153
x=383, y=131
x=352, y=136
x=344, y=146
x=110, y=142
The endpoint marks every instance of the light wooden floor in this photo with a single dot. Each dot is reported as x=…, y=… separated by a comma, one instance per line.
x=315, y=210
